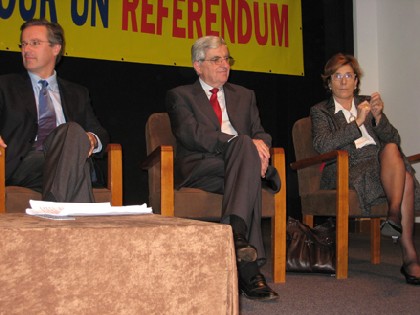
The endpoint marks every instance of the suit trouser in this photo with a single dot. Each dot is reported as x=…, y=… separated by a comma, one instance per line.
x=236, y=173
x=62, y=170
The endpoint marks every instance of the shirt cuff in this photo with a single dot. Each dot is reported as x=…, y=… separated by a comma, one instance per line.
x=99, y=147
x=232, y=138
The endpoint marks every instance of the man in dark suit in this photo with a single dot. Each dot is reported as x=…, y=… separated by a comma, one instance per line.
x=48, y=151
x=222, y=148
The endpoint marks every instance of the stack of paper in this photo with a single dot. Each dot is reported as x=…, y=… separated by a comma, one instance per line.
x=61, y=209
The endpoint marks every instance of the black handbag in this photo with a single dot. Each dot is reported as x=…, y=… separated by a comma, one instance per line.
x=310, y=249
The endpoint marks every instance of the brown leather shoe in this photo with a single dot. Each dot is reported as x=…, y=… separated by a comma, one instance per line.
x=257, y=289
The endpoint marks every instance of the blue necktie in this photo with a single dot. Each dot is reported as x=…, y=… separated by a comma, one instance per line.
x=46, y=115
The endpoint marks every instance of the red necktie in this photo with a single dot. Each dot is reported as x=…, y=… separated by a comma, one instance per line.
x=215, y=103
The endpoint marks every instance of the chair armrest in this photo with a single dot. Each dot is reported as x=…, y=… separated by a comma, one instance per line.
x=114, y=176
x=318, y=159
x=2, y=180
x=165, y=155
x=414, y=158
x=115, y=184
x=155, y=157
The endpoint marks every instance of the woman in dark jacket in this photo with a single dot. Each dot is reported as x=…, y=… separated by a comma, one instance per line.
x=378, y=170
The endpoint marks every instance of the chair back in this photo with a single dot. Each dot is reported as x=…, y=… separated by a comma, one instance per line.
x=159, y=132
x=309, y=178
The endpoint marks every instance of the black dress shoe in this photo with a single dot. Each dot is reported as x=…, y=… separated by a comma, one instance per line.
x=409, y=278
x=256, y=289
x=244, y=251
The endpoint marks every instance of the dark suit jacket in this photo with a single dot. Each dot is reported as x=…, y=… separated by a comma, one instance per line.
x=197, y=129
x=18, y=114
x=331, y=131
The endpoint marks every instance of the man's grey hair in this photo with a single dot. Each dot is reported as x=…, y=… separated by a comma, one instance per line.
x=200, y=47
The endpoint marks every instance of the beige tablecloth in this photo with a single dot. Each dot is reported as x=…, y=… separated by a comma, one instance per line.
x=144, y=264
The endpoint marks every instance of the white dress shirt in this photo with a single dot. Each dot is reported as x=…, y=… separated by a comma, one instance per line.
x=226, y=125
x=54, y=94
x=351, y=115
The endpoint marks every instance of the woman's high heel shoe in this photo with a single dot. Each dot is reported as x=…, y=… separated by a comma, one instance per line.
x=409, y=278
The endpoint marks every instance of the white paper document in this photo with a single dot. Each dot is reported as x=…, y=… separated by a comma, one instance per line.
x=63, y=209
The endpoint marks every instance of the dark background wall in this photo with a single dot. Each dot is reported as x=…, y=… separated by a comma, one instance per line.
x=125, y=94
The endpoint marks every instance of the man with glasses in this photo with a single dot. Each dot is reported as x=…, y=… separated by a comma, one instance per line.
x=222, y=148
x=47, y=123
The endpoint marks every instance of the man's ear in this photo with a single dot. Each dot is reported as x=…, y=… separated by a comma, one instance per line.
x=57, y=49
x=197, y=67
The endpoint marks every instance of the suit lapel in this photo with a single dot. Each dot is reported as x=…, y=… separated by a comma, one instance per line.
x=63, y=97
x=203, y=102
x=338, y=118
x=27, y=95
x=231, y=101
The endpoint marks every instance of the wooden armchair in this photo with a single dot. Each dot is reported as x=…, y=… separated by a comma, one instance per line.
x=342, y=203
x=16, y=199
x=198, y=204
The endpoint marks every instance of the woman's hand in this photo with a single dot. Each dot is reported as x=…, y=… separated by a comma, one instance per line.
x=363, y=110
x=376, y=106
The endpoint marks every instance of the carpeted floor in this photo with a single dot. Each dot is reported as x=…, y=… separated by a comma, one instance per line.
x=369, y=289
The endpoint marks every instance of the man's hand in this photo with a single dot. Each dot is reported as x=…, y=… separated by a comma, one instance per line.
x=93, y=142
x=264, y=153
x=2, y=144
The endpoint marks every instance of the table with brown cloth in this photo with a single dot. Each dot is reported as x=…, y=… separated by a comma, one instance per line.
x=143, y=264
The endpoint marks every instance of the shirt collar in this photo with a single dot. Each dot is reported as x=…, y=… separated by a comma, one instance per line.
x=52, y=80
x=207, y=87
x=338, y=107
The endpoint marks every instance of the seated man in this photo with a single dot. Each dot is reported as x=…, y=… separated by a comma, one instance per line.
x=40, y=155
x=225, y=150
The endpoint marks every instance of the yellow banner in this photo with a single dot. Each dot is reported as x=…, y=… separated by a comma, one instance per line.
x=262, y=35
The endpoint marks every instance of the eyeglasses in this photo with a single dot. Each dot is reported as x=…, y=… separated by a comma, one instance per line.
x=219, y=60
x=339, y=76
x=33, y=43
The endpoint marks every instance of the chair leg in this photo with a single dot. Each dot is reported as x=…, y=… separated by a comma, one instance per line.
x=308, y=220
x=278, y=241
x=375, y=241
x=342, y=216
x=278, y=222
x=342, y=248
